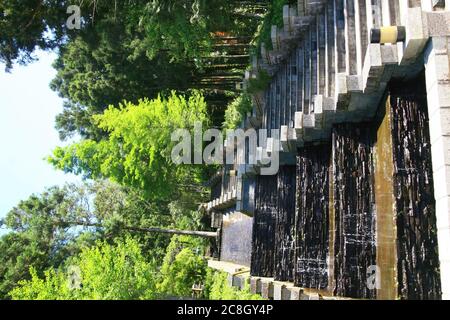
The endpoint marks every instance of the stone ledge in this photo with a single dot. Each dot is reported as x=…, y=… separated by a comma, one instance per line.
x=268, y=288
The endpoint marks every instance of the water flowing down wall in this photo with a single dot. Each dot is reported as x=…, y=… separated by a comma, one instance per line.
x=418, y=260
x=312, y=217
x=285, y=225
x=236, y=238
x=354, y=212
x=264, y=223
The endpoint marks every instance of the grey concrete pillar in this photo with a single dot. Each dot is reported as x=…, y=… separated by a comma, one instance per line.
x=437, y=64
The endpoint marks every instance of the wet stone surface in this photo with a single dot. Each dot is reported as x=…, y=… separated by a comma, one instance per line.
x=418, y=260
x=311, y=269
x=237, y=239
x=354, y=207
x=264, y=224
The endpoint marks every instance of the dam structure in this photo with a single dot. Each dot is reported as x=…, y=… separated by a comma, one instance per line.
x=360, y=206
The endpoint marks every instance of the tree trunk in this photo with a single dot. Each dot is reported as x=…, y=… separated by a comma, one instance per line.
x=202, y=234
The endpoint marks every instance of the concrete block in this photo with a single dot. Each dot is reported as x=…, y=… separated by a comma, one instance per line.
x=267, y=289
x=416, y=35
x=298, y=122
x=281, y=291
x=437, y=47
x=439, y=124
x=314, y=296
x=243, y=280
x=276, y=41
x=362, y=103
x=341, y=85
x=318, y=111
x=445, y=279
x=318, y=104
x=236, y=281
x=443, y=214
x=295, y=293
x=372, y=69
x=292, y=139
x=354, y=83
x=270, y=146
x=230, y=280
x=444, y=244
x=442, y=68
x=286, y=18
x=309, y=296
x=440, y=150
x=389, y=54
x=438, y=23
x=255, y=285
x=438, y=97
x=308, y=121
x=329, y=105
x=442, y=182
x=284, y=138
x=277, y=291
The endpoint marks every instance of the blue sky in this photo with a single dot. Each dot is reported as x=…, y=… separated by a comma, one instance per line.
x=27, y=119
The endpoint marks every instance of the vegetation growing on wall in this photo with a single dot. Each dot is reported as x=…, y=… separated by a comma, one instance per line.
x=103, y=272
x=259, y=83
x=274, y=16
x=218, y=288
x=237, y=110
x=137, y=152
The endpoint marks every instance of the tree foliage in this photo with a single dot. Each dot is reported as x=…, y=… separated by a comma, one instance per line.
x=36, y=239
x=137, y=152
x=25, y=26
x=183, y=266
x=105, y=67
x=106, y=272
x=237, y=111
x=127, y=50
x=49, y=228
x=118, y=76
x=217, y=288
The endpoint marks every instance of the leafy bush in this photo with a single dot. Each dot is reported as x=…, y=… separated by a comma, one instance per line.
x=217, y=288
x=273, y=17
x=107, y=272
x=138, y=151
x=183, y=266
x=236, y=111
x=260, y=83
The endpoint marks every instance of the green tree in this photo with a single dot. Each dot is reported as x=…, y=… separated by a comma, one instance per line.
x=217, y=287
x=25, y=25
x=128, y=50
x=137, y=153
x=105, y=67
x=183, y=266
x=17, y=254
x=48, y=228
x=106, y=272
x=237, y=111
